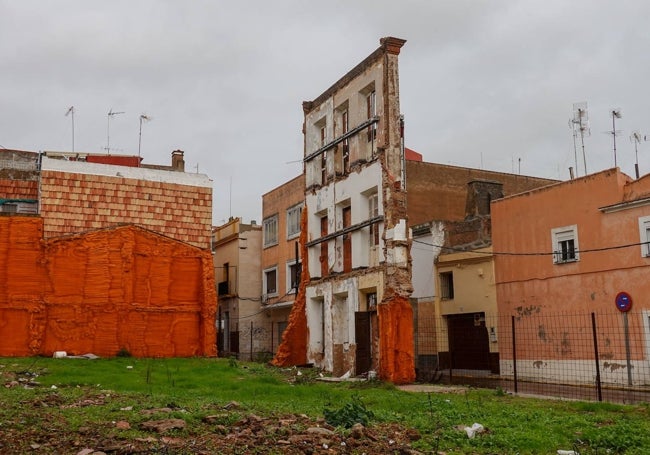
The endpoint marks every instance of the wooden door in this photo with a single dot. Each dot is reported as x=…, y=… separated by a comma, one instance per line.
x=469, y=345
x=363, y=331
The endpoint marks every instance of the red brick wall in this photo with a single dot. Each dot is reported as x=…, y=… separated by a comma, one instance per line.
x=18, y=189
x=439, y=192
x=72, y=203
x=122, y=288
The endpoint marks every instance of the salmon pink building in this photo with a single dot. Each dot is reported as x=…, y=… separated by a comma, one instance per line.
x=572, y=250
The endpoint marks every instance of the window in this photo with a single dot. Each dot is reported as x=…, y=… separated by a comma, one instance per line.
x=270, y=281
x=371, y=301
x=293, y=277
x=371, y=110
x=223, y=288
x=271, y=230
x=324, y=252
x=447, y=285
x=346, y=144
x=323, y=138
x=565, y=244
x=644, y=231
x=293, y=221
x=373, y=211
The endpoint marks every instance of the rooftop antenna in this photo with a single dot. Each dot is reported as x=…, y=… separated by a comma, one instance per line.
x=580, y=125
x=70, y=112
x=108, y=129
x=636, y=137
x=616, y=113
x=145, y=118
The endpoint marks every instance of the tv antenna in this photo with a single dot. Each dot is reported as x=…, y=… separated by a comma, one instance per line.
x=143, y=118
x=615, y=113
x=636, y=137
x=108, y=129
x=70, y=112
x=580, y=125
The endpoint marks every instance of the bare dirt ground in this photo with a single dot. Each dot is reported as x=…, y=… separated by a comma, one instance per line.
x=37, y=425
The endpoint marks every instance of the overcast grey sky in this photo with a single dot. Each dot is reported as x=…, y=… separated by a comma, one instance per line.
x=484, y=84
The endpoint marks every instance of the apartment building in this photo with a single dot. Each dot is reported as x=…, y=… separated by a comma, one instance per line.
x=578, y=252
x=357, y=247
x=242, y=332
x=281, y=256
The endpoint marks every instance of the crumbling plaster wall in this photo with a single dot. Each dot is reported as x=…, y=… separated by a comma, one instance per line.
x=329, y=201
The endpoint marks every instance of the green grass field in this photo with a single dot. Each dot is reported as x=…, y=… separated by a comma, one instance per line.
x=194, y=388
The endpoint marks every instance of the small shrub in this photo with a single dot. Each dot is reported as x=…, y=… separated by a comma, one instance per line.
x=232, y=362
x=355, y=411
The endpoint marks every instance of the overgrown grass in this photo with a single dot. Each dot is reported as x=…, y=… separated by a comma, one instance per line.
x=194, y=388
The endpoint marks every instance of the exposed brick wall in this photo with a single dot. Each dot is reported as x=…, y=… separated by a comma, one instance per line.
x=72, y=203
x=99, y=292
x=18, y=189
x=439, y=192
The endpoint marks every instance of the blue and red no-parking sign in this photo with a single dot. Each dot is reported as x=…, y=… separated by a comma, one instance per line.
x=623, y=302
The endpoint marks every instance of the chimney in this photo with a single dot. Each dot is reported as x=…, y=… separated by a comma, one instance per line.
x=479, y=195
x=178, y=163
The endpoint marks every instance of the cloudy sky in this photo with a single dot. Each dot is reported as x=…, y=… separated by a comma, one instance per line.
x=484, y=84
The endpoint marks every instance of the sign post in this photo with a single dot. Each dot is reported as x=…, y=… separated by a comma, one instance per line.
x=624, y=304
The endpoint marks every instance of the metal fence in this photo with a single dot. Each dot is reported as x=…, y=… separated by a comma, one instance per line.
x=254, y=341
x=599, y=356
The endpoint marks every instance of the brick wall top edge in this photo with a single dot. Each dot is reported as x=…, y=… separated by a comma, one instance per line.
x=137, y=173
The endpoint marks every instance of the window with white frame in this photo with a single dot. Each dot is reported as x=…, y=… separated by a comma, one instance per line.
x=565, y=244
x=270, y=282
x=293, y=277
x=644, y=232
x=293, y=221
x=270, y=230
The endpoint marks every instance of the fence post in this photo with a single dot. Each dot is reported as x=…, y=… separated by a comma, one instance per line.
x=598, y=385
x=514, y=352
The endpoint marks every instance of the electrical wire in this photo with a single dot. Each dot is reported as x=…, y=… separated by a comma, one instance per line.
x=509, y=253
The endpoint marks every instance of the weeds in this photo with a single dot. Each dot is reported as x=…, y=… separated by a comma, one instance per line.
x=354, y=411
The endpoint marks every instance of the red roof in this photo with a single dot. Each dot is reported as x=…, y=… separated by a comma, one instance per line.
x=119, y=160
x=412, y=155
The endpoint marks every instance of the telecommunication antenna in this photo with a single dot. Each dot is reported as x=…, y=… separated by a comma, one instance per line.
x=580, y=125
x=143, y=118
x=108, y=129
x=615, y=113
x=70, y=112
x=636, y=137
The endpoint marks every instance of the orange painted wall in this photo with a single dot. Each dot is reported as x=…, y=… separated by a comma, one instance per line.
x=533, y=284
x=72, y=203
x=120, y=288
x=293, y=347
x=396, y=357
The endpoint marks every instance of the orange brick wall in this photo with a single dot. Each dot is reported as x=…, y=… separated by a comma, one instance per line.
x=18, y=189
x=72, y=203
x=121, y=288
